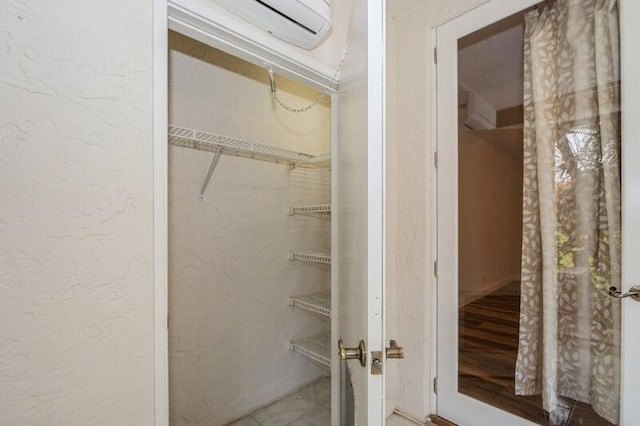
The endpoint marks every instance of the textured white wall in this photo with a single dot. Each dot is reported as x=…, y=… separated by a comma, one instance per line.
x=76, y=249
x=75, y=208
x=408, y=180
x=410, y=209
x=229, y=277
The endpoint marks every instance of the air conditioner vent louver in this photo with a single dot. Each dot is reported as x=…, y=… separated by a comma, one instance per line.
x=304, y=23
x=286, y=17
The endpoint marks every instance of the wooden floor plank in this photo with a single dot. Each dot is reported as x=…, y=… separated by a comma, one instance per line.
x=488, y=346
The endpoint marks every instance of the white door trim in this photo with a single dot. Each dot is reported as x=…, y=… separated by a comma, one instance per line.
x=630, y=64
x=451, y=404
x=210, y=25
x=160, y=215
x=335, y=361
x=361, y=189
x=432, y=398
x=376, y=333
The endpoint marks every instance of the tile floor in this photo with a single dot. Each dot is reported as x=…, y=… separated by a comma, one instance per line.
x=309, y=407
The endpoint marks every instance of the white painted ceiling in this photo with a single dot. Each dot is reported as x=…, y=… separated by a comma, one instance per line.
x=493, y=67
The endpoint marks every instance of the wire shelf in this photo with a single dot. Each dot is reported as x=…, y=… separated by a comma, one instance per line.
x=203, y=141
x=317, y=348
x=310, y=209
x=322, y=161
x=311, y=257
x=319, y=303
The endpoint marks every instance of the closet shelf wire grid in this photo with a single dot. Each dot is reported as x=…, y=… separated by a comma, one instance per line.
x=310, y=209
x=319, y=303
x=311, y=257
x=317, y=348
x=204, y=141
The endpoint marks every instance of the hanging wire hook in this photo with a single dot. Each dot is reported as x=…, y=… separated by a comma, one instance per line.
x=272, y=80
x=325, y=93
x=276, y=96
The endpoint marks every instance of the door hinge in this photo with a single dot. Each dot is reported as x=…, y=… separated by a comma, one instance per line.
x=435, y=55
x=435, y=268
x=435, y=159
x=435, y=385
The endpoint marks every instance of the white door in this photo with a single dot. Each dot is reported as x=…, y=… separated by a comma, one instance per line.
x=630, y=40
x=359, y=201
x=453, y=96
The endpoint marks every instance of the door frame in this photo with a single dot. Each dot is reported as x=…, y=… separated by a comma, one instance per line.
x=449, y=400
x=368, y=45
x=160, y=113
x=214, y=27
x=630, y=352
x=629, y=38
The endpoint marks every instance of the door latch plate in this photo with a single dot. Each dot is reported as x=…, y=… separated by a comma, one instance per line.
x=376, y=363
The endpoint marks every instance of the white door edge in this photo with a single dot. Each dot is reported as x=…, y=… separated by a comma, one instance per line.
x=630, y=67
x=361, y=227
x=376, y=201
x=630, y=64
x=335, y=361
x=450, y=403
x=432, y=398
x=160, y=214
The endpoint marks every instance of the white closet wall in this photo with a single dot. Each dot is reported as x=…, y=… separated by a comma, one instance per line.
x=408, y=215
x=229, y=276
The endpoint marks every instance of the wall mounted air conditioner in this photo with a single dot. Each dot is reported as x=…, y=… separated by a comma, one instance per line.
x=304, y=23
x=478, y=113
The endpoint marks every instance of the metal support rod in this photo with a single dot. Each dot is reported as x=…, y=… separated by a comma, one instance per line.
x=212, y=167
x=411, y=418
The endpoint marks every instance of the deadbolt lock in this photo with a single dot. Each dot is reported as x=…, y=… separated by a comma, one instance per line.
x=394, y=351
x=359, y=353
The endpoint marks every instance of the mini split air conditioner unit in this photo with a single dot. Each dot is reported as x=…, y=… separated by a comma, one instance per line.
x=480, y=114
x=304, y=23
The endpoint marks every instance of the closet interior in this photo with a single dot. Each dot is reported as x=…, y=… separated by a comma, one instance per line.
x=249, y=244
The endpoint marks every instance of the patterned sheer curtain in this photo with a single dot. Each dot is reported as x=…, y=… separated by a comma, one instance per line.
x=569, y=327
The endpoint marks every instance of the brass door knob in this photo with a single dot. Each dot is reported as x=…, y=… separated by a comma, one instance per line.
x=394, y=351
x=359, y=353
x=634, y=293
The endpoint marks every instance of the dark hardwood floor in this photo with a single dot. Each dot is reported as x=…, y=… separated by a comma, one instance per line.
x=488, y=345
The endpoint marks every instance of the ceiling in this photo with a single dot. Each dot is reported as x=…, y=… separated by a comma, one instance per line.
x=490, y=63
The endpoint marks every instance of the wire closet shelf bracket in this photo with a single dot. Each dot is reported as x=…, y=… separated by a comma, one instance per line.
x=219, y=144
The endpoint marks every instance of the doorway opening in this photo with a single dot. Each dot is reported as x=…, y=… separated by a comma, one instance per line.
x=249, y=244
x=498, y=99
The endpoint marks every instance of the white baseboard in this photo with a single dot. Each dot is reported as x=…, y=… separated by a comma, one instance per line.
x=465, y=299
